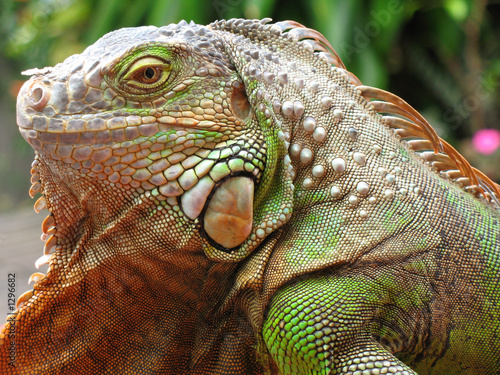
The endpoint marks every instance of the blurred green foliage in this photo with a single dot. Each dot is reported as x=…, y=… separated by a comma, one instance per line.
x=441, y=56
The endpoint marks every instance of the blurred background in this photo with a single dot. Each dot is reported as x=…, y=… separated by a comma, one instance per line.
x=443, y=57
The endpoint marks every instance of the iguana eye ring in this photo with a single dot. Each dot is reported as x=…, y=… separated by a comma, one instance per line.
x=146, y=74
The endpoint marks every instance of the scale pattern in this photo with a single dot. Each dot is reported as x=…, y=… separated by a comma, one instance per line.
x=228, y=199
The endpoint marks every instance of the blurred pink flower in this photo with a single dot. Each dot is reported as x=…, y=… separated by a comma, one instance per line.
x=486, y=141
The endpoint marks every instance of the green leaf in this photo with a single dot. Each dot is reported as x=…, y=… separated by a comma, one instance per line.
x=164, y=12
x=372, y=70
x=457, y=9
x=102, y=19
x=258, y=8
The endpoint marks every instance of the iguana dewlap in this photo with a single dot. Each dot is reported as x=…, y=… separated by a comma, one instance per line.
x=228, y=199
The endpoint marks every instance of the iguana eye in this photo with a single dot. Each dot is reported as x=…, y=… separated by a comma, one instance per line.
x=150, y=74
x=147, y=74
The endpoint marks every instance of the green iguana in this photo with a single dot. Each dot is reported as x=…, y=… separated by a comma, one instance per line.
x=228, y=199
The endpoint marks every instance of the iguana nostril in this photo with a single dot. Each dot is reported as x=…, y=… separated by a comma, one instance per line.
x=39, y=96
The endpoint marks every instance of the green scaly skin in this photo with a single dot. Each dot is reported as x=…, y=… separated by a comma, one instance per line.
x=225, y=200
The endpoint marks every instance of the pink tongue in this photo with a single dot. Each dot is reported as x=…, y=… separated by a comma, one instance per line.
x=229, y=215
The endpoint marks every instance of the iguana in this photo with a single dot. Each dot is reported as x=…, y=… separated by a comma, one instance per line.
x=228, y=199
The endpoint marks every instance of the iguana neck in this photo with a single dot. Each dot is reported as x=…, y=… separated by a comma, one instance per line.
x=115, y=276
